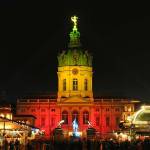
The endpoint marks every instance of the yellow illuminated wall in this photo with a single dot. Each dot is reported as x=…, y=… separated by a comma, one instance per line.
x=83, y=75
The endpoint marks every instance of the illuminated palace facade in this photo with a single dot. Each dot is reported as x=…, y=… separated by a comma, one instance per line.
x=75, y=96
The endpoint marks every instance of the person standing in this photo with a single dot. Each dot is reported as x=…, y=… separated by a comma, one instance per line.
x=11, y=145
x=17, y=144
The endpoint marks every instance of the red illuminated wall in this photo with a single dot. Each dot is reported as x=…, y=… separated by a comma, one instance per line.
x=103, y=115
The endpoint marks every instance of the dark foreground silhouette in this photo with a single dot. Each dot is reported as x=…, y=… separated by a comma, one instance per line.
x=78, y=144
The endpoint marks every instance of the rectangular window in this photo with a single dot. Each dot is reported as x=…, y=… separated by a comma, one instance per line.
x=64, y=85
x=107, y=121
x=85, y=84
x=75, y=84
x=23, y=110
x=117, y=109
x=107, y=109
x=97, y=121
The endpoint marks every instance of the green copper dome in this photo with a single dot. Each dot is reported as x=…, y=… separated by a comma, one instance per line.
x=74, y=55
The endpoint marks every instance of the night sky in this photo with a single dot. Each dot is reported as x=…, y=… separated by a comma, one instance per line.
x=117, y=35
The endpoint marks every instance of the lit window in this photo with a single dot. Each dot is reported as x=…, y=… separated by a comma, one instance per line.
x=129, y=108
x=65, y=117
x=85, y=84
x=64, y=85
x=85, y=117
x=8, y=116
x=107, y=121
x=75, y=84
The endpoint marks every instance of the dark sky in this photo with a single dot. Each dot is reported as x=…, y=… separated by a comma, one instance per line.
x=117, y=34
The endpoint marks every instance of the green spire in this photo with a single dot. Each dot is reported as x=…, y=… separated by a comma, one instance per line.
x=74, y=34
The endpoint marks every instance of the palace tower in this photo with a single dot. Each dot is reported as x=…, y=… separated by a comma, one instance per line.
x=75, y=69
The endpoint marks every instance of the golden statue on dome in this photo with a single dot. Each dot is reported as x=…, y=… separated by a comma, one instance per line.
x=74, y=19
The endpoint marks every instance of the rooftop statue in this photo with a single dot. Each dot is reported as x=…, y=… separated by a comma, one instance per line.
x=74, y=20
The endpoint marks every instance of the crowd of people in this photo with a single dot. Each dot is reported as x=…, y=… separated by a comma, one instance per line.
x=80, y=144
x=12, y=145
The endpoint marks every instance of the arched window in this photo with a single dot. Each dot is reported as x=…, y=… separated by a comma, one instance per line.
x=65, y=117
x=85, y=84
x=64, y=84
x=75, y=115
x=85, y=117
x=75, y=84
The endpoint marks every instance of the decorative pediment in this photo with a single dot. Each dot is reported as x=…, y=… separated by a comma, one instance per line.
x=75, y=99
